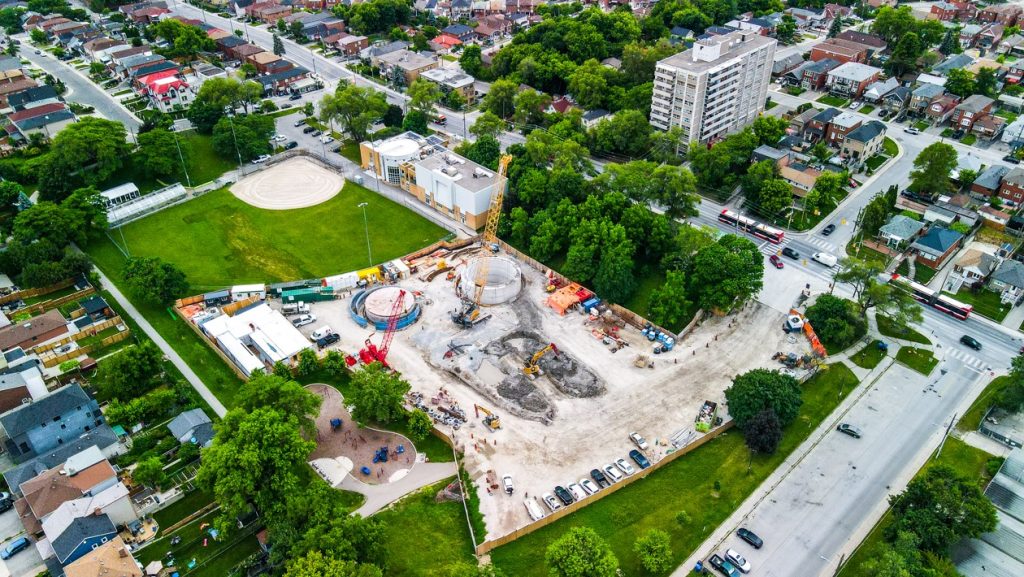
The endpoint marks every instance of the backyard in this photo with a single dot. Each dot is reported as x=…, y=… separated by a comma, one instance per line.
x=707, y=484
x=199, y=553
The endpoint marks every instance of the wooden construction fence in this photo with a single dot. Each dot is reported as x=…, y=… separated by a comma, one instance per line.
x=29, y=293
x=54, y=360
x=488, y=546
x=50, y=358
x=40, y=308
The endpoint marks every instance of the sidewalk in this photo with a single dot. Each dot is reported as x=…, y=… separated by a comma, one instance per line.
x=380, y=496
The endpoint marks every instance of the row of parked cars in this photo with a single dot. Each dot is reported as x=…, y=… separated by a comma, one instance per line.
x=600, y=478
x=732, y=563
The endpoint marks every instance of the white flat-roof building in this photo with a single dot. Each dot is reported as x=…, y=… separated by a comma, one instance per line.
x=256, y=338
x=454, y=186
x=714, y=88
x=386, y=157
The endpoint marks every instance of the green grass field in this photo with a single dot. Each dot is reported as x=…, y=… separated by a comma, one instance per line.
x=964, y=458
x=869, y=356
x=219, y=240
x=890, y=147
x=972, y=417
x=686, y=484
x=986, y=303
x=833, y=100
x=921, y=360
x=889, y=329
x=202, y=162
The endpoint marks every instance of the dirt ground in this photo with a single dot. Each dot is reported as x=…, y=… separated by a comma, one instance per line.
x=295, y=183
x=351, y=448
x=577, y=414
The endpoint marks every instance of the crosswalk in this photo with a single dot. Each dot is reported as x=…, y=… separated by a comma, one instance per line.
x=966, y=358
x=821, y=243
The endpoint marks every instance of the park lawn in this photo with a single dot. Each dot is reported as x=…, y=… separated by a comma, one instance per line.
x=350, y=150
x=890, y=147
x=423, y=537
x=967, y=460
x=921, y=360
x=202, y=162
x=833, y=100
x=869, y=356
x=986, y=303
x=972, y=417
x=686, y=484
x=889, y=329
x=221, y=241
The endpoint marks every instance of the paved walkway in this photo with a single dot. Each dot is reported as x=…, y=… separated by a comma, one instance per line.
x=979, y=441
x=171, y=354
x=380, y=496
x=1014, y=318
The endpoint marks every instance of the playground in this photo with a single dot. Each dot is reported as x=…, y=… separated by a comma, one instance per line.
x=294, y=183
x=371, y=456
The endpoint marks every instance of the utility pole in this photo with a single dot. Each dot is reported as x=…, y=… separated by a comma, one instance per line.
x=366, y=228
x=945, y=436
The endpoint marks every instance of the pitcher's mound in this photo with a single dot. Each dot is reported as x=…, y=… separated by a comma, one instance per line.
x=295, y=183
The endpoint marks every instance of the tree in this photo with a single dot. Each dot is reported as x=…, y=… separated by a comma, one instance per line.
x=454, y=100
x=785, y=32
x=985, y=82
x=242, y=137
x=932, y=168
x=837, y=321
x=614, y=276
x=942, y=507
x=255, y=458
x=530, y=107
x=769, y=129
x=284, y=395
x=469, y=570
x=1012, y=396
x=471, y=60
x=393, y=116
x=487, y=124
x=775, y=196
x=654, y=549
x=875, y=215
x=763, y=432
x=354, y=108
x=248, y=70
x=295, y=30
x=588, y=85
x=628, y=132
x=423, y=95
x=188, y=452
x=759, y=390
x=904, y=55
x=154, y=280
x=308, y=362
x=316, y=564
x=416, y=121
x=158, y=152
x=377, y=395
x=278, y=45
x=47, y=221
x=88, y=208
x=38, y=36
x=419, y=425
x=893, y=23
x=727, y=273
x=950, y=44
x=960, y=81
x=501, y=99
x=580, y=552
x=91, y=149
x=134, y=371
x=150, y=472
x=836, y=27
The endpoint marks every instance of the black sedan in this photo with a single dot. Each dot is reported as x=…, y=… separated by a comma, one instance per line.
x=639, y=459
x=599, y=478
x=828, y=229
x=790, y=253
x=750, y=537
x=563, y=495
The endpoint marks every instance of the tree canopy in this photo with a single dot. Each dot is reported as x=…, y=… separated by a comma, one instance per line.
x=580, y=552
x=377, y=395
x=759, y=390
x=932, y=168
x=354, y=108
x=154, y=280
x=90, y=151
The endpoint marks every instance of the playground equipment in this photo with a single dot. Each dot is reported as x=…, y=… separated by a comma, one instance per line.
x=372, y=353
x=335, y=424
x=381, y=455
x=490, y=419
x=532, y=367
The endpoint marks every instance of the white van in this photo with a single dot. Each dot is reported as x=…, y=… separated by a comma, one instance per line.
x=826, y=259
x=533, y=509
x=321, y=333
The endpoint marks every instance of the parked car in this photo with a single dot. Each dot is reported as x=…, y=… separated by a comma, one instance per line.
x=750, y=537
x=327, y=139
x=321, y=332
x=286, y=106
x=441, y=119
x=912, y=130
x=959, y=134
x=1011, y=159
x=638, y=441
x=6, y=505
x=506, y=482
x=722, y=566
x=299, y=123
x=550, y=501
x=261, y=159
x=599, y=478
x=854, y=105
x=970, y=341
x=291, y=145
x=828, y=229
x=309, y=129
x=15, y=547
x=589, y=486
x=279, y=138
x=734, y=557
x=577, y=492
x=613, y=475
x=324, y=342
x=624, y=466
x=790, y=253
x=776, y=261
x=883, y=114
x=295, y=96
x=316, y=132
x=304, y=320
x=639, y=459
x=849, y=429
x=564, y=496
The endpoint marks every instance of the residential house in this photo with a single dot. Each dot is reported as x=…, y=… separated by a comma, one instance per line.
x=807, y=18
x=227, y=44
x=800, y=121
x=464, y=33
x=800, y=176
x=444, y=43
x=450, y=79
x=48, y=120
x=974, y=266
x=351, y=44
x=878, y=90
x=863, y=142
x=947, y=11
x=110, y=559
x=936, y=246
x=1011, y=189
x=678, y=34
x=82, y=536
x=987, y=183
x=947, y=213
x=993, y=217
x=268, y=12
x=561, y=105
x=33, y=98
x=242, y=51
x=941, y=108
x=875, y=44
x=202, y=72
x=851, y=79
x=840, y=50
x=876, y=4
x=112, y=502
x=900, y=231
x=102, y=438
x=83, y=475
x=784, y=64
x=922, y=97
x=14, y=84
x=952, y=61
x=1005, y=14
x=50, y=421
x=1014, y=72
x=407, y=63
x=814, y=75
x=293, y=80
x=1012, y=45
x=36, y=331
x=969, y=35
x=96, y=308
x=766, y=152
x=147, y=15
x=989, y=127
x=374, y=53
x=591, y=118
x=973, y=108
x=840, y=126
x=1014, y=133
x=192, y=426
x=263, y=61
x=817, y=128
x=897, y=100
x=117, y=57
x=1008, y=280
x=21, y=386
x=167, y=89
x=990, y=36
x=925, y=78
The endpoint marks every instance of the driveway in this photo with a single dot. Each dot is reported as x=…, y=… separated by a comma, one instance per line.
x=24, y=564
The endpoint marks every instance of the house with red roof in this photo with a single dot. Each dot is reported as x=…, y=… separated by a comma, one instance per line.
x=166, y=89
x=444, y=43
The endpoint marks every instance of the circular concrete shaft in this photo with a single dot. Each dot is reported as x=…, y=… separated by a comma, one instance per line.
x=503, y=282
x=295, y=183
x=381, y=302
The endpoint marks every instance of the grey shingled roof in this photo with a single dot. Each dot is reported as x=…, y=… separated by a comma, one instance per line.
x=939, y=239
x=186, y=422
x=991, y=177
x=1010, y=272
x=902, y=227
x=26, y=417
x=102, y=437
x=78, y=531
x=867, y=132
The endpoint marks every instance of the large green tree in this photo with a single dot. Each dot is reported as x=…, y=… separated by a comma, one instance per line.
x=158, y=152
x=727, y=273
x=91, y=149
x=763, y=432
x=759, y=390
x=932, y=168
x=316, y=564
x=769, y=129
x=154, y=280
x=286, y=396
x=501, y=98
x=487, y=124
x=654, y=548
x=377, y=394
x=960, y=81
x=423, y=96
x=132, y=372
x=580, y=552
x=354, y=108
x=837, y=322
x=242, y=138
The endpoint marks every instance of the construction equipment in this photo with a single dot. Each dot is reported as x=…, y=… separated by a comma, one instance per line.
x=490, y=419
x=531, y=367
x=373, y=353
x=469, y=314
x=643, y=362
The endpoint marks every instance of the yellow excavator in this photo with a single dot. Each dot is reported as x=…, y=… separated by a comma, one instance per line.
x=470, y=313
x=490, y=419
x=532, y=367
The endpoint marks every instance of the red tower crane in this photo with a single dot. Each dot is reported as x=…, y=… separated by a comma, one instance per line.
x=373, y=353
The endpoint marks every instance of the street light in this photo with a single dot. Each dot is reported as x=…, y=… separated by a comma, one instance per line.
x=366, y=228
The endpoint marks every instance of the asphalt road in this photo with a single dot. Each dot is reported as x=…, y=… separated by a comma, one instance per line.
x=80, y=88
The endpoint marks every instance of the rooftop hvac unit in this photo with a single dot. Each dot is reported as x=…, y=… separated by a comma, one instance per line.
x=480, y=173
